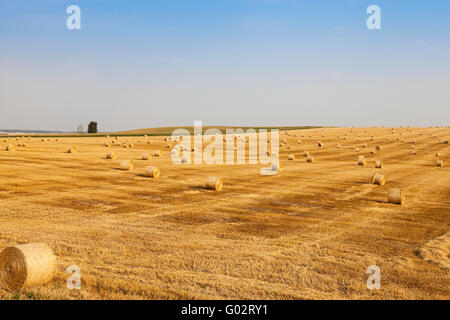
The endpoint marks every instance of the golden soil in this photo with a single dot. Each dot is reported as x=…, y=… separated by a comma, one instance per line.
x=309, y=232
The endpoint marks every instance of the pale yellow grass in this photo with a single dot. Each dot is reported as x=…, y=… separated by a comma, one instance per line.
x=309, y=232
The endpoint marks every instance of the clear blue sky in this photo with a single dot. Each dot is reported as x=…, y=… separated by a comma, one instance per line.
x=138, y=64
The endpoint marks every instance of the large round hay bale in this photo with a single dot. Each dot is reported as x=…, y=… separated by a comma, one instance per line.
x=145, y=156
x=362, y=162
x=157, y=153
x=152, y=172
x=378, y=148
x=111, y=155
x=26, y=265
x=107, y=144
x=379, y=164
x=214, y=183
x=10, y=147
x=319, y=144
x=291, y=156
x=71, y=150
x=437, y=154
x=306, y=153
x=126, y=165
x=310, y=159
x=378, y=179
x=396, y=196
x=440, y=163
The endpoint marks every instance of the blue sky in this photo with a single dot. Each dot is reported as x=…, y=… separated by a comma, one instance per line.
x=137, y=64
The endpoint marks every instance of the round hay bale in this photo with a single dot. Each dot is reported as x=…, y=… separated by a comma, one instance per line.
x=310, y=159
x=111, y=155
x=71, y=150
x=126, y=165
x=362, y=162
x=378, y=148
x=152, y=172
x=214, y=183
x=125, y=145
x=306, y=153
x=291, y=156
x=26, y=265
x=440, y=163
x=319, y=144
x=438, y=154
x=414, y=152
x=379, y=164
x=10, y=147
x=157, y=153
x=378, y=179
x=107, y=144
x=396, y=196
x=145, y=156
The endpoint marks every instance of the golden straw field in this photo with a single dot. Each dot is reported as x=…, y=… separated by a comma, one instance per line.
x=309, y=232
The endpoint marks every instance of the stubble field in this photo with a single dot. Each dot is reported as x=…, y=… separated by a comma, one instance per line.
x=309, y=232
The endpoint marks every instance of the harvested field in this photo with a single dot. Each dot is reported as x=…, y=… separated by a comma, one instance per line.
x=308, y=232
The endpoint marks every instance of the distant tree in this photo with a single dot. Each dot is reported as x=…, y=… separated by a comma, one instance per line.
x=80, y=129
x=92, y=127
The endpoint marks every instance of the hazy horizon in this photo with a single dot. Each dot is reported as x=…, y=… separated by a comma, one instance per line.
x=142, y=64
